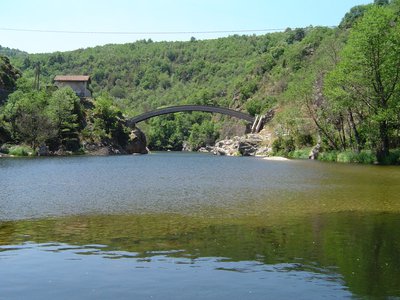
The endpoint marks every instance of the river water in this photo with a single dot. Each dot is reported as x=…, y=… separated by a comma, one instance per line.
x=195, y=226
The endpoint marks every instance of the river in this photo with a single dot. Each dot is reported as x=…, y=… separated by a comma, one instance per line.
x=196, y=226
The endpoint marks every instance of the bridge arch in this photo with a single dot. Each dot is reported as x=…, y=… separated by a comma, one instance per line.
x=183, y=108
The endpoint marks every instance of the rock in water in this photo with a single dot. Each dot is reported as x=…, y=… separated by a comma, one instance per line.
x=137, y=142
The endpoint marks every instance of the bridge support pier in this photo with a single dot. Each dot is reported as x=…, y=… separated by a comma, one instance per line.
x=258, y=123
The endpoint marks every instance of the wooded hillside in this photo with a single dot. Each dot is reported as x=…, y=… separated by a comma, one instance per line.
x=300, y=72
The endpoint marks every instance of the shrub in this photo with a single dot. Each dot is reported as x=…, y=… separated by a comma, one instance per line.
x=392, y=159
x=346, y=157
x=366, y=157
x=304, y=140
x=283, y=146
x=328, y=156
x=21, y=151
x=300, y=153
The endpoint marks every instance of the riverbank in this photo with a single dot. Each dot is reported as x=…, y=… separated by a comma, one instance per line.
x=276, y=158
x=135, y=144
x=263, y=144
x=250, y=145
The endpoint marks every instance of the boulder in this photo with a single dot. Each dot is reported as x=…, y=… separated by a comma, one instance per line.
x=263, y=151
x=43, y=150
x=137, y=142
x=186, y=147
x=247, y=148
x=248, y=145
x=60, y=151
x=206, y=149
x=105, y=147
x=315, y=151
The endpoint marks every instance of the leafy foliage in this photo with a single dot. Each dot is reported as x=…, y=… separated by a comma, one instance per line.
x=367, y=79
x=247, y=73
x=107, y=120
x=65, y=113
x=8, y=77
x=335, y=86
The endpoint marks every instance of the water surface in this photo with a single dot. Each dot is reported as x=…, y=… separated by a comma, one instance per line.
x=179, y=226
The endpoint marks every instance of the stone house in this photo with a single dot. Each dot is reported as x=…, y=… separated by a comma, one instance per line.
x=79, y=83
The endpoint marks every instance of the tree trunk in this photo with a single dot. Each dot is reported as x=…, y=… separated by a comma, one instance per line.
x=354, y=128
x=383, y=145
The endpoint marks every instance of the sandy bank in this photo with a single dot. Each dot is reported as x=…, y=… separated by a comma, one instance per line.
x=278, y=158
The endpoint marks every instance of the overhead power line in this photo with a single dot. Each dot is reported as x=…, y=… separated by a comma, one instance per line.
x=141, y=32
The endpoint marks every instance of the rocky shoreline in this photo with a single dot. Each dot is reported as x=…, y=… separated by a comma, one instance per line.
x=136, y=144
x=254, y=144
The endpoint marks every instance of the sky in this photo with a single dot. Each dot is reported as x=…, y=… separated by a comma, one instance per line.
x=89, y=23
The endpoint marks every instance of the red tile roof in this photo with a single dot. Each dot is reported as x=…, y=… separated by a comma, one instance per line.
x=72, y=78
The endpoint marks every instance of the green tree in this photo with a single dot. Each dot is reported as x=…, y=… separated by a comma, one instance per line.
x=369, y=73
x=353, y=16
x=25, y=112
x=381, y=2
x=203, y=135
x=64, y=111
x=108, y=120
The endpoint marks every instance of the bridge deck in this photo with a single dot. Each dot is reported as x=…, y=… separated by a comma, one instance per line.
x=183, y=108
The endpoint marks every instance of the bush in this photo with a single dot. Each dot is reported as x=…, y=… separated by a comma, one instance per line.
x=392, y=159
x=283, y=146
x=254, y=107
x=21, y=151
x=366, y=157
x=346, y=157
x=304, y=140
x=328, y=156
x=300, y=153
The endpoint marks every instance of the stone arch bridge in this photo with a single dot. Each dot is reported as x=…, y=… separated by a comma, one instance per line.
x=255, y=122
x=189, y=108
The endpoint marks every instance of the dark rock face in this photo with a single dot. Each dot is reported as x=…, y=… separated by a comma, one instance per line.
x=104, y=148
x=247, y=148
x=137, y=142
x=43, y=150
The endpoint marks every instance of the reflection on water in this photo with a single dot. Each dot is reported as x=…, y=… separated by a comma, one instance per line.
x=336, y=254
x=196, y=226
x=66, y=272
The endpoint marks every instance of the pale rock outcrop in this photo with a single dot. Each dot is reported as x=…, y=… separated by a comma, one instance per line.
x=247, y=145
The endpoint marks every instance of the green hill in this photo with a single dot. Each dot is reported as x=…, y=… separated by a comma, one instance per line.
x=240, y=72
x=292, y=72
